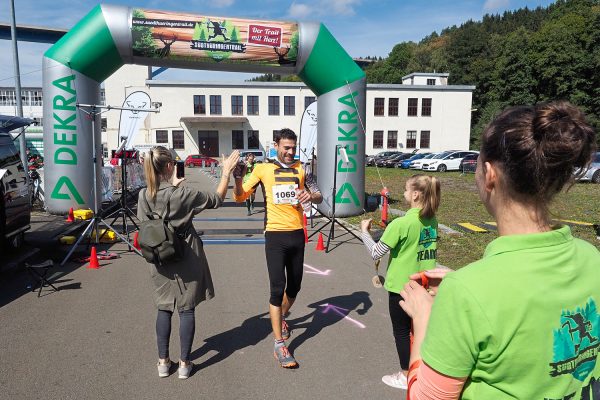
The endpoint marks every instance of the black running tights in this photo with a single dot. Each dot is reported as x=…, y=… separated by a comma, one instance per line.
x=187, y=328
x=401, y=324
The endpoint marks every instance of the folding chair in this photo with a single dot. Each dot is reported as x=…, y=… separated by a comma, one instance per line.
x=39, y=272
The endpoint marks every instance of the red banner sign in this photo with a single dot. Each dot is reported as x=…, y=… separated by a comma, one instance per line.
x=264, y=35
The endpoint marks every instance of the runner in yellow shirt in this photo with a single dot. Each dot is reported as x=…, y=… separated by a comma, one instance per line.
x=286, y=188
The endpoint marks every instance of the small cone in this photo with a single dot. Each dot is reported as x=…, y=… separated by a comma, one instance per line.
x=304, y=226
x=71, y=217
x=93, y=259
x=136, y=244
x=320, y=245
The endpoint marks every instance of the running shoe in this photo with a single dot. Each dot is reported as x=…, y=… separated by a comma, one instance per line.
x=163, y=368
x=282, y=354
x=285, y=330
x=185, y=370
x=397, y=381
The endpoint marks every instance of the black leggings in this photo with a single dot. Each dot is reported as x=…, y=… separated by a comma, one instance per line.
x=401, y=324
x=187, y=328
x=285, y=258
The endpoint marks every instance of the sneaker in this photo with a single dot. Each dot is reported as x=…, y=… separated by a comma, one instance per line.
x=397, y=381
x=164, y=368
x=185, y=370
x=249, y=213
x=285, y=330
x=282, y=354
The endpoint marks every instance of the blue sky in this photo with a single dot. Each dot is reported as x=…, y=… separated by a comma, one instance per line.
x=363, y=27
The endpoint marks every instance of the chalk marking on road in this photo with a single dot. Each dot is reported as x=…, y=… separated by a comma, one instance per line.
x=316, y=271
x=340, y=311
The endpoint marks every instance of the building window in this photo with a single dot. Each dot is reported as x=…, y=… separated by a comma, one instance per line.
x=308, y=100
x=431, y=82
x=425, y=138
x=289, y=105
x=275, y=133
x=162, y=136
x=105, y=150
x=102, y=98
x=177, y=139
x=378, y=139
x=36, y=98
x=411, y=139
x=379, y=105
x=273, y=105
x=253, y=141
x=237, y=139
x=103, y=124
x=252, y=105
x=237, y=105
x=392, y=140
x=199, y=104
x=215, y=104
x=393, y=107
x=413, y=105
x=7, y=98
x=426, y=108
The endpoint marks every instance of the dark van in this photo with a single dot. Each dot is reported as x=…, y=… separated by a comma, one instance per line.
x=15, y=210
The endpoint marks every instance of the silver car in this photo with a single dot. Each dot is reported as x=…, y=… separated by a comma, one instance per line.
x=593, y=173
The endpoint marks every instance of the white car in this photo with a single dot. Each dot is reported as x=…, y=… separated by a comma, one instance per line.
x=446, y=161
x=418, y=164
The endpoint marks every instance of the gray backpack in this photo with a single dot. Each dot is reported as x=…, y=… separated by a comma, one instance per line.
x=160, y=243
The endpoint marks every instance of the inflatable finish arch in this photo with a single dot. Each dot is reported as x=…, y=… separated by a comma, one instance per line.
x=111, y=36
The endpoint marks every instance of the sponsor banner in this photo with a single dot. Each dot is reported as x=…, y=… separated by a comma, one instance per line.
x=308, y=133
x=131, y=120
x=189, y=37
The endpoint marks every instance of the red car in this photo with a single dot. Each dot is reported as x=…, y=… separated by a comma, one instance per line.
x=196, y=160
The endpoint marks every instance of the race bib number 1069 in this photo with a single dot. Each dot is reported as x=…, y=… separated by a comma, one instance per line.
x=285, y=194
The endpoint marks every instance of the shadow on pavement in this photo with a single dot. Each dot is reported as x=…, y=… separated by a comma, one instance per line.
x=251, y=332
x=328, y=312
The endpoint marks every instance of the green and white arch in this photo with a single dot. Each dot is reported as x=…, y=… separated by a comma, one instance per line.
x=111, y=36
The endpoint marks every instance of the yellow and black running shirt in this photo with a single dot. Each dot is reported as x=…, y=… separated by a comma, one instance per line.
x=279, y=182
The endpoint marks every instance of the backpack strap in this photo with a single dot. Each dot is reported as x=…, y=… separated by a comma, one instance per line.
x=165, y=210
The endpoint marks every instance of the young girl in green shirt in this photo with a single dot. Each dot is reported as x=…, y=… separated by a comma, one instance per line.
x=411, y=241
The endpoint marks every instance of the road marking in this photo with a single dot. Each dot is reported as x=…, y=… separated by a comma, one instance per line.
x=316, y=271
x=342, y=312
x=470, y=227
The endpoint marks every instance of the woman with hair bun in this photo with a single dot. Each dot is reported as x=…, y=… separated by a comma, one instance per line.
x=183, y=284
x=522, y=322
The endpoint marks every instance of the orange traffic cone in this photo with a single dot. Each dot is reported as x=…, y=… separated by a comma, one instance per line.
x=93, y=259
x=320, y=245
x=304, y=226
x=71, y=217
x=136, y=244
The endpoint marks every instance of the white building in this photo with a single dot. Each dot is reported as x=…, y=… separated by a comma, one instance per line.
x=215, y=117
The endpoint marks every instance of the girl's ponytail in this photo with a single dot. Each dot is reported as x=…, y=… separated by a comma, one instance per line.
x=429, y=187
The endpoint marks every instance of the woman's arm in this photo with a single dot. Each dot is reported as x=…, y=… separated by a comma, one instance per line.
x=229, y=165
x=376, y=250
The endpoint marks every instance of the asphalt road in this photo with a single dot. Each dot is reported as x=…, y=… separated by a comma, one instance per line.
x=95, y=338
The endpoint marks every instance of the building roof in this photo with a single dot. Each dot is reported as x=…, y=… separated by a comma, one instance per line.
x=431, y=74
x=195, y=120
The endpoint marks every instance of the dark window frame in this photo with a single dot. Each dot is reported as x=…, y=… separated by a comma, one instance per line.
x=426, y=104
x=379, y=106
x=252, y=108
x=413, y=107
x=392, y=140
x=164, y=136
x=378, y=139
x=425, y=140
x=216, y=105
x=237, y=105
x=411, y=139
x=250, y=133
x=235, y=141
x=199, y=104
x=178, y=142
x=308, y=100
x=289, y=105
x=273, y=102
x=393, y=106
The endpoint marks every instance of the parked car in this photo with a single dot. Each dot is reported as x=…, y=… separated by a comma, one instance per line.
x=447, y=161
x=469, y=163
x=259, y=155
x=197, y=160
x=593, y=172
x=379, y=156
x=405, y=164
x=15, y=212
x=418, y=164
x=393, y=161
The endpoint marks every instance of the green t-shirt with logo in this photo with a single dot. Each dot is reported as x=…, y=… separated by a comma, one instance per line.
x=413, y=244
x=522, y=322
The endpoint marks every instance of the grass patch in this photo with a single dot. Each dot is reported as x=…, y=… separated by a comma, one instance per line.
x=460, y=203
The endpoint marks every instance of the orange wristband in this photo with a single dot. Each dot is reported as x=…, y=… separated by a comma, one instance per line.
x=424, y=280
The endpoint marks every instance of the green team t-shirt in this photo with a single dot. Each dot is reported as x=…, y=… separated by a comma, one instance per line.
x=413, y=244
x=521, y=323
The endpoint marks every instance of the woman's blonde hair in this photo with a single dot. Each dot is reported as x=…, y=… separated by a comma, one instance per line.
x=156, y=169
x=429, y=188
